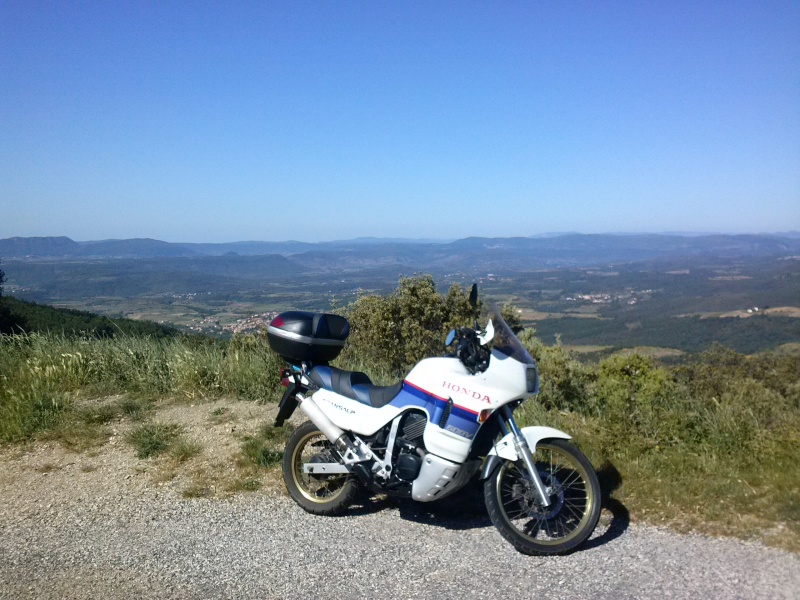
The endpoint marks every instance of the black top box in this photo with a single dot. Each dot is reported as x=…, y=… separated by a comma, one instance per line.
x=300, y=336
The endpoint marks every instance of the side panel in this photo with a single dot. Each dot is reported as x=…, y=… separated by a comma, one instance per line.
x=352, y=415
x=452, y=441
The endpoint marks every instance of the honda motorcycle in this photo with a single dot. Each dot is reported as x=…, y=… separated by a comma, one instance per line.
x=450, y=420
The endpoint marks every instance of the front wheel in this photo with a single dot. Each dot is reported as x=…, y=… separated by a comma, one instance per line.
x=318, y=494
x=574, y=492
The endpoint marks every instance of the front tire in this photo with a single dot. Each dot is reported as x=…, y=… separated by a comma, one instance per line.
x=317, y=494
x=574, y=491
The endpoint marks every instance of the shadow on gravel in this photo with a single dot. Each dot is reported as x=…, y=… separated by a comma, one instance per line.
x=610, y=480
x=466, y=509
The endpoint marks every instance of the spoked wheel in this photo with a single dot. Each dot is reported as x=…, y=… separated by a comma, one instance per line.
x=574, y=494
x=318, y=494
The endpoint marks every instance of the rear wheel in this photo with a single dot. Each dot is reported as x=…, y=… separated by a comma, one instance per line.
x=574, y=493
x=318, y=494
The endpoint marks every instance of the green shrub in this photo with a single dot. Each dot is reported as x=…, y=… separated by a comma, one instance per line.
x=564, y=381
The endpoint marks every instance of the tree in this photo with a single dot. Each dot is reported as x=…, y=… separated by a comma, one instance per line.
x=2, y=281
x=396, y=331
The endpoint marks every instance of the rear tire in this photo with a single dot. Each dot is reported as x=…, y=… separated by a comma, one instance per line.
x=574, y=493
x=317, y=494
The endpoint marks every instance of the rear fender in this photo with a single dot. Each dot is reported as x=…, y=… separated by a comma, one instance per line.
x=505, y=450
x=288, y=404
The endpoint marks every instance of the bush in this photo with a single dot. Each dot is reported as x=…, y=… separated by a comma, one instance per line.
x=395, y=332
x=565, y=382
x=637, y=399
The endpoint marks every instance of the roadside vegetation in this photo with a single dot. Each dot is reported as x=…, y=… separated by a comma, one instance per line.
x=709, y=444
x=43, y=375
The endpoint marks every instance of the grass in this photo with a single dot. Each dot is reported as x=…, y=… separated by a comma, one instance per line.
x=183, y=449
x=265, y=449
x=83, y=426
x=135, y=408
x=43, y=375
x=152, y=439
x=198, y=490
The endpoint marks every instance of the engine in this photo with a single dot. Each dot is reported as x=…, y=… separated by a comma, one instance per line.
x=413, y=427
x=409, y=440
x=408, y=454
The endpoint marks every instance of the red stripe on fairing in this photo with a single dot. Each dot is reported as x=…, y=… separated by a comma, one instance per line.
x=416, y=387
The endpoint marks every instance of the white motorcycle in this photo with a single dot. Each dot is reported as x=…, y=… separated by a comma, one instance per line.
x=449, y=420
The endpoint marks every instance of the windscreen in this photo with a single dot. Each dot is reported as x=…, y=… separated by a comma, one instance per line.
x=506, y=342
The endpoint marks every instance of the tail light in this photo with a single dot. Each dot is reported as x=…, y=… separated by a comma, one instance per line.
x=285, y=378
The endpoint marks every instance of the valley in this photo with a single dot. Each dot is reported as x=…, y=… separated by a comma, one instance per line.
x=597, y=294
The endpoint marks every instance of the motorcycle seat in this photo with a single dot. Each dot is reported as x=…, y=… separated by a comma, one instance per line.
x=354, y=385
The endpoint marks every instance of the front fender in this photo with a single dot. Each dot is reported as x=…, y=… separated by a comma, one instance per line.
x=505, y=450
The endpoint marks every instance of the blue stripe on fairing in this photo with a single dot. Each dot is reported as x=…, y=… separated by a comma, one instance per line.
x=460, y=418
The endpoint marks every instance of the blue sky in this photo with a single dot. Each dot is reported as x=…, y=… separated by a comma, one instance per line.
x=212, y=122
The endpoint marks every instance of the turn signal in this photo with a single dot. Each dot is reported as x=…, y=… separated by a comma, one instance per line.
x=285, y=377
x=485, y=414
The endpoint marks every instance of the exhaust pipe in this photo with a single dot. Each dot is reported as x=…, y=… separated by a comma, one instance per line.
x=326, y=426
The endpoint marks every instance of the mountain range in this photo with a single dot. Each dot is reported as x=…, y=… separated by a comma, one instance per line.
x=54, y=269
x=474, y=252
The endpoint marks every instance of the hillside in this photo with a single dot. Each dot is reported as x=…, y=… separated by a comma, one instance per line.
x=18, y=316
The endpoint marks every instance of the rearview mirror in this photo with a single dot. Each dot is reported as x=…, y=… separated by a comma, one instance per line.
x=473, y=295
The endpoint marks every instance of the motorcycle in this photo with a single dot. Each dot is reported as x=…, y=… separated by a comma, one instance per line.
x=450, y=420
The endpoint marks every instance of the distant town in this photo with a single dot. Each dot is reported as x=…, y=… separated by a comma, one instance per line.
x=629, y=296
x=246, y=325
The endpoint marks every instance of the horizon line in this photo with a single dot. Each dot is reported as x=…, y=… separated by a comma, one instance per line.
x=421, y=240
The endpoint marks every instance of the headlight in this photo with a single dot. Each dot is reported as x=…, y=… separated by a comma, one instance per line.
x=532, y=379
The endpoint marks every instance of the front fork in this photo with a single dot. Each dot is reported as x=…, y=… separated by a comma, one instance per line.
x=521, y=446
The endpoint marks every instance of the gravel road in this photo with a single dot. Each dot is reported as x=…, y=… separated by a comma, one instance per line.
x=97, y=527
